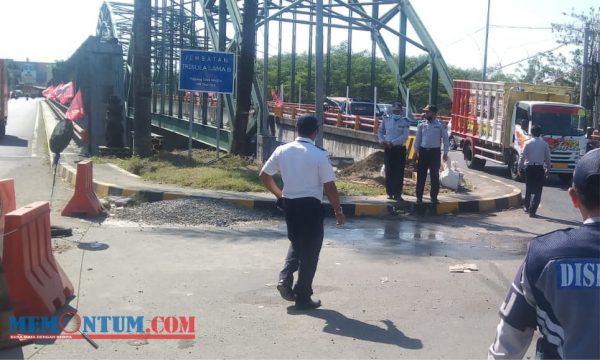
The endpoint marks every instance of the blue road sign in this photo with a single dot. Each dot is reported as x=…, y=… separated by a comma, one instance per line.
x=206, y=71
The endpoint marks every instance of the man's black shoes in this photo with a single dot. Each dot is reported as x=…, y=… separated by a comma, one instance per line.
x=307, y=305
x=286, y=292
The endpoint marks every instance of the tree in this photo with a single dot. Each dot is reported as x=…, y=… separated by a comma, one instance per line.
x=245, y=76
x=558, y=69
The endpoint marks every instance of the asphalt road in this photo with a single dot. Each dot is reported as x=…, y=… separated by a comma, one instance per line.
x=385, y=284
x=555, y=205
x=19, y=141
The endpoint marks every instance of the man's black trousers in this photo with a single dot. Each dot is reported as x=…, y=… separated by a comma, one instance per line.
x=304, y=219
x=394, y=159
x=534, y=183
x=429, y=159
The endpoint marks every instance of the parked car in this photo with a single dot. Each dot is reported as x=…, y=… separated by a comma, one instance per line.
x=354, y=107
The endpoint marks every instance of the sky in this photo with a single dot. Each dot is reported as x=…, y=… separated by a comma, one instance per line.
x=50, y=30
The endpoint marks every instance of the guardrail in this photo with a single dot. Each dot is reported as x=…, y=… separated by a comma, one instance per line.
x=337, y=119
x=80, y=133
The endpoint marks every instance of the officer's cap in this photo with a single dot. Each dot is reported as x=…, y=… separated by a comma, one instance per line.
x=431, y=108
x=307, y=124
x=587, y=174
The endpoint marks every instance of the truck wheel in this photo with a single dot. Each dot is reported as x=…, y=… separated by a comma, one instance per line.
x=565, y=178
x=513, y=166
x=472, y=162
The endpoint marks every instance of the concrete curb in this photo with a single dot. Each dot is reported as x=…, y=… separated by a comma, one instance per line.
x=358, y=209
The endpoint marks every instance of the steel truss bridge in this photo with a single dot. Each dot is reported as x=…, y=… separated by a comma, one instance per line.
x=217, y=25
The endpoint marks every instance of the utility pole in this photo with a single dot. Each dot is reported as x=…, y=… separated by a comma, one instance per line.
x=585, y=67
x=142, y=91
x=485, y=51
x=319, y=98
x=596, y=118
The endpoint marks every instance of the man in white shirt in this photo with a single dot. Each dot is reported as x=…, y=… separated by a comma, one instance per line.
x=306, y=173
x=536, y=161
x=392, y=135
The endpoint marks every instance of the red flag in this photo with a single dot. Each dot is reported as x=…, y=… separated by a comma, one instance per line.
x=276, y=99
x=56, y=91
x=67, y=92
x=48, y=91
x=75, y=111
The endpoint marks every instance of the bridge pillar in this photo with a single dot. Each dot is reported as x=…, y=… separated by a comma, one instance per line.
x=97, y=70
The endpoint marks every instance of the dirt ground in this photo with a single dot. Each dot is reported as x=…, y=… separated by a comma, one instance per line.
x=367, y=171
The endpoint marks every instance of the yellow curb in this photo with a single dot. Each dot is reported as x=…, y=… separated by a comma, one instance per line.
x=487, y=205
x=446, y=208
x=513, y=201
x=129, y=193
x=102, y=189
x=369, y=210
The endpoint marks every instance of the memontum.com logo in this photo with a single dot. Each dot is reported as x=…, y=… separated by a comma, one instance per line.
x=71, y=325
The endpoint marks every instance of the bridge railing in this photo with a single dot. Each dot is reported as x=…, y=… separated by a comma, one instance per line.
x=334, y=118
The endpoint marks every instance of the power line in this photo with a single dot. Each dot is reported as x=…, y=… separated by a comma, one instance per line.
x=521, y=27
x=530, y=57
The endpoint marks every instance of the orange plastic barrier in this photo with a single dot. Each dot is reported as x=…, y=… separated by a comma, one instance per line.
x=7, y=195
x=84, y=200
x=5, y=314
x=37, y=285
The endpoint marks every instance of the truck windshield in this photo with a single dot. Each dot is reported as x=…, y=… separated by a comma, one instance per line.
x=558, y=120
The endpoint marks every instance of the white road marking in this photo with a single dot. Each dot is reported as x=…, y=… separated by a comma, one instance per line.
x=35, y=131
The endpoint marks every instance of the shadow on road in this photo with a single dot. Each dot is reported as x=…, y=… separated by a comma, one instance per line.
x=10, y=140
x=338, y=324
x=501, y=172
x=560, y=221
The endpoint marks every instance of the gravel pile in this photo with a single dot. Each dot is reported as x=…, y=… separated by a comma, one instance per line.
x=191, y=212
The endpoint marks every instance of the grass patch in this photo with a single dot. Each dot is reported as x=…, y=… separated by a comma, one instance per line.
x=235, y=173
x=354, y=188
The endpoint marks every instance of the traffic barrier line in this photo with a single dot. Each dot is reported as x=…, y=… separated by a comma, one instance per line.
x=6, y=205
x=84, y=200
x=37, y=285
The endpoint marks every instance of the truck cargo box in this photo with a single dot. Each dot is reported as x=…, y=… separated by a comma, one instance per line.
x=483, y=110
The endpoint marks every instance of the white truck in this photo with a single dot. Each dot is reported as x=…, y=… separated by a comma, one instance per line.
x=492, y=121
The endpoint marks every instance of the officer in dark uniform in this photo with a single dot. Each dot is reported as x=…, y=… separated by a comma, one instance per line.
x=392, y=135
x=306, y=173
x=430, y=134
x=536, y=161
x=557, y=287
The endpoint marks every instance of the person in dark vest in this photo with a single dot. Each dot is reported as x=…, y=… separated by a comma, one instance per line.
x=392, y=135
x=557, y=286
x=306, y=173
x=536, y=161
x=431, y=133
